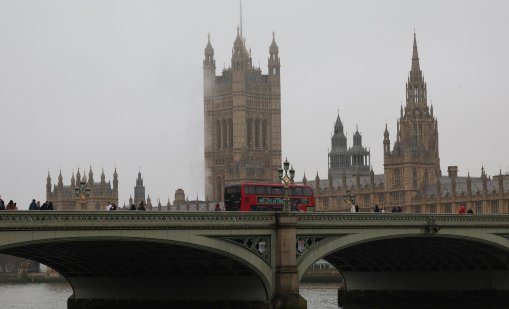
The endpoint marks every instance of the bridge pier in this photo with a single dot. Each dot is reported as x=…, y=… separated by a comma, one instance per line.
x=287, y=276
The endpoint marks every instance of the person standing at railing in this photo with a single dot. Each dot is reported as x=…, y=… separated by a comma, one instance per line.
x=2, y=204
x=33, y=205
x=11, y=206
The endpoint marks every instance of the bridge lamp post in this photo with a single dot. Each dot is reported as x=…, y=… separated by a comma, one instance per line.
x=349, y=198
x=82, y=192
x=286, y=175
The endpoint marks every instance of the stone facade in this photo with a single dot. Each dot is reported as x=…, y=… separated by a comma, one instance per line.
x=65, y=198
x=412, y=177
x=242, y=109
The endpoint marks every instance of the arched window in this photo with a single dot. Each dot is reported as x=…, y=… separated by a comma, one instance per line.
x=397, y=177
x=230, y=132
x=224, y=136
x=249, y=133
x=257, y=133
x=265, y=137
x=218, y=135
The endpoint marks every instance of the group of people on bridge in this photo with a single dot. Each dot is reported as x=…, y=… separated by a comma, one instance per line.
x=37, y=205
x=10, y=206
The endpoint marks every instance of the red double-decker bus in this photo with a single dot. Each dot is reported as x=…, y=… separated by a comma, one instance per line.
x=267, y=197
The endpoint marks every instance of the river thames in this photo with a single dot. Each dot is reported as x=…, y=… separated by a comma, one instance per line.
x=54, y=296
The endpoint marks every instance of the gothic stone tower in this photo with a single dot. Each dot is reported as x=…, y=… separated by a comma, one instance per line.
x=242, y=109
x=414, y=161
x=139, y=191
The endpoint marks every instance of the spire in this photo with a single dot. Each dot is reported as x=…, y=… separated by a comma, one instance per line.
x=103, y=177
x=139, y=180
x=73, y=180
x=240, y=58
x=357, y=138
x=91, y=176
x=60, y=180
x=386, y=132
x=241, y=22
x=338, y=125
x=416, y=69
x=274, y=61
x=416, y=87
x=274, y=49
x=209, y=50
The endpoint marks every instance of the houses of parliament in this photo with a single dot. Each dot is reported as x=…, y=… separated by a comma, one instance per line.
x=242, y=143
x=242, y=113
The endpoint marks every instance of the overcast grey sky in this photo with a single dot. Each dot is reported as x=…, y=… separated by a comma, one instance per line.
x=119, y=83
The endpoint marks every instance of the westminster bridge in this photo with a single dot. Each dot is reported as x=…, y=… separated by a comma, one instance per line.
x=123, y=259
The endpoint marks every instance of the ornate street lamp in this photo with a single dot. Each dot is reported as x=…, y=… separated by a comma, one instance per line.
x=82, y=192
x=287, y=180
x=349, y=198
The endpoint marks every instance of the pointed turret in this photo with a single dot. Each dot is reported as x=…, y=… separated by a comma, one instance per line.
x=209, y=69
x=484, y=179
x=103, y=177
x=317, y=182
x=73, y=181
x=149, y=203
x=274, y=62
x=60, y=179
x=304, y=179
x=48, y=185
x=240, y=57
x=469, y=184
x=115, y=182
x=338, y=125
x=90, y=177
x=357, y=138
x=339, y=140
x=78, y=177
x=387, y=141
x=139, y=190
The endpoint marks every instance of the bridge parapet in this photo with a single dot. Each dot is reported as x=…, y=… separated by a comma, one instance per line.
x=127, y=220
x=359, y=220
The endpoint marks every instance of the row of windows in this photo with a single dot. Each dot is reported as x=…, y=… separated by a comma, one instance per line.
x=297, y=191
x=258, y=103
x=257, y=133
x=224, y=134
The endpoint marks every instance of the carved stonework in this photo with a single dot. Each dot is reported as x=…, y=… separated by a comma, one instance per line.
x=257, y=245
x=304, y=243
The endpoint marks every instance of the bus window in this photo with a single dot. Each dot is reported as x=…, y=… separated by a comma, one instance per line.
x=297, y=191
x=260, y=190
x=277, y=190
x=233, y=189
x=249, y=189
x=308, y=192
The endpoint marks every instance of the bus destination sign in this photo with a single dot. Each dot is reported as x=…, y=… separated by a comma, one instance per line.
x=269, y=200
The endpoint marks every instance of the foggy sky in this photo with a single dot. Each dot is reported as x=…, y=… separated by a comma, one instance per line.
x=120, y=83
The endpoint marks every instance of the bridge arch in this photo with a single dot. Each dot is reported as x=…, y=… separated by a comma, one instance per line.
x=367, y=258
x=154, y=264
